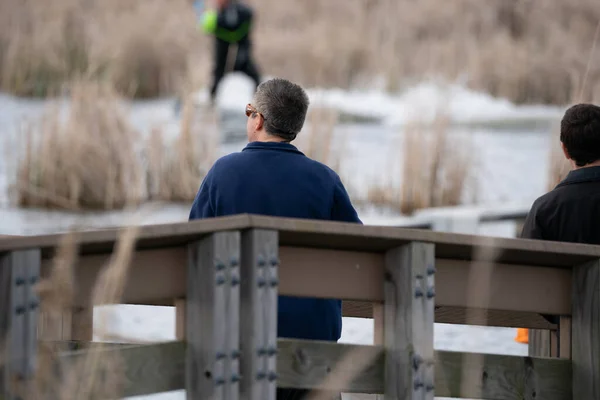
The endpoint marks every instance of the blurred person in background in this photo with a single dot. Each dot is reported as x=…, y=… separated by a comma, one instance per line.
x=231, y=23
x=270, y=176
x=571, y=212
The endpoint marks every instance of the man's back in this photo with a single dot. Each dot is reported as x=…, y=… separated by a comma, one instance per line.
x=276, y=179
x=570, y=212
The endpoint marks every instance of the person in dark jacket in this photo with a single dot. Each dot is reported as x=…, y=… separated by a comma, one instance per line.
x=571, y=212
x=231, y=24
x=270, y=176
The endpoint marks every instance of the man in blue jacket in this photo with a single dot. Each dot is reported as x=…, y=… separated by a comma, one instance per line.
x=270, y=176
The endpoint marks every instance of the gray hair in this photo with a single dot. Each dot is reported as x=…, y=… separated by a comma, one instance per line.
x=284, y=106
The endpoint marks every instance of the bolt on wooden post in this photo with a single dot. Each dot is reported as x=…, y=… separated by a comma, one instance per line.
x=260, y=282
x=19, y=309
x=212, y=318
x=409, y=294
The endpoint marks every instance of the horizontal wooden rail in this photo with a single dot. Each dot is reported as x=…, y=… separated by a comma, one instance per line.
x=325, y=234
x=340, y=367
x=156, y=277
x=459, y=315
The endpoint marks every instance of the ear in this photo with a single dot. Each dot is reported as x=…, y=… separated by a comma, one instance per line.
x=259, y=122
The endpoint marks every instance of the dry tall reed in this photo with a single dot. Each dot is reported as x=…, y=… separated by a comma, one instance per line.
x=143, y=48
x=176, y=167
x=435, y=169
x=524, y=50
x=97, y=375
x=93, y=159
x=318, y=139
x=87, y=160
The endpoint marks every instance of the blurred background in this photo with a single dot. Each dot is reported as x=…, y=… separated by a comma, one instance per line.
x=432, y=112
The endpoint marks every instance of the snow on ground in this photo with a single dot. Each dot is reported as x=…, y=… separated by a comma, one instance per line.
x=420, y=101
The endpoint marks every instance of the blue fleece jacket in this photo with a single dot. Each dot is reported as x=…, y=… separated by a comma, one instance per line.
x=277, y=179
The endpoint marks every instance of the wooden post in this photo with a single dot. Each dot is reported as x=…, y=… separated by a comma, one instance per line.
x=564, y=343
x=378, y=333
x=74, y=324
x=212, y=316
x=54, y=326
x=586, y=331
x=408, y=318
x=378, y=327
x=180, y=319
x=260, y=261
x=19, y=308
x=541, y=343
x=82, y=324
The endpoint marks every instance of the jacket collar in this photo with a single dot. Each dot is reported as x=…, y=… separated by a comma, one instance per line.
x=280, y=146
x=588, y=174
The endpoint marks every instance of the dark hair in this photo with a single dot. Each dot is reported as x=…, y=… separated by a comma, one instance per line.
x=284, y=106
x=580, y=133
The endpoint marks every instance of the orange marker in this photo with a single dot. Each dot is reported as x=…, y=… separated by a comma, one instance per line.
x=522, y=335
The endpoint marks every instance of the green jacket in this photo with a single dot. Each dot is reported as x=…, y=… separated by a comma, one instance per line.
x=215, y=22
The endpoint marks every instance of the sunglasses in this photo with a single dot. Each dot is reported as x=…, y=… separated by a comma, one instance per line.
x=251, y=110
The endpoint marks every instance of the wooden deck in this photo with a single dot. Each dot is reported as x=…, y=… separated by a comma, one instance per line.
x=403, y=278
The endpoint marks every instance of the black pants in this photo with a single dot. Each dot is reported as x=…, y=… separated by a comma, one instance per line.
x=291, y=394
x=243, y=63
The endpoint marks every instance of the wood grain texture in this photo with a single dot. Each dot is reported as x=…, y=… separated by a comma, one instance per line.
x=503, y=377
x=302, y=232
x=148, y=369
x=586, y=331
x=408, y=322
x=378, y=325
x=180, y=324
x=260, y=281
x=76, y=324
x=539, y=343
x=307, y=364
x=212, y=315
x=564, y=338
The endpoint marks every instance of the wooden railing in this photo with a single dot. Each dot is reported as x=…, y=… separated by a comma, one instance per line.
x=224, y=276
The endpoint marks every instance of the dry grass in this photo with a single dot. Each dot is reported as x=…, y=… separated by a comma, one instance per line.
x=86, y=161
x=144, y=48
x=97, y=375
x=93, y=159
x=318, y=141
x=435, y=171
x=524, y=50
x=176, y=167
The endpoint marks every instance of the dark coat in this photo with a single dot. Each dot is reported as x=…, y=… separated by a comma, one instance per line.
x=277, y=179
x=570, y=212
